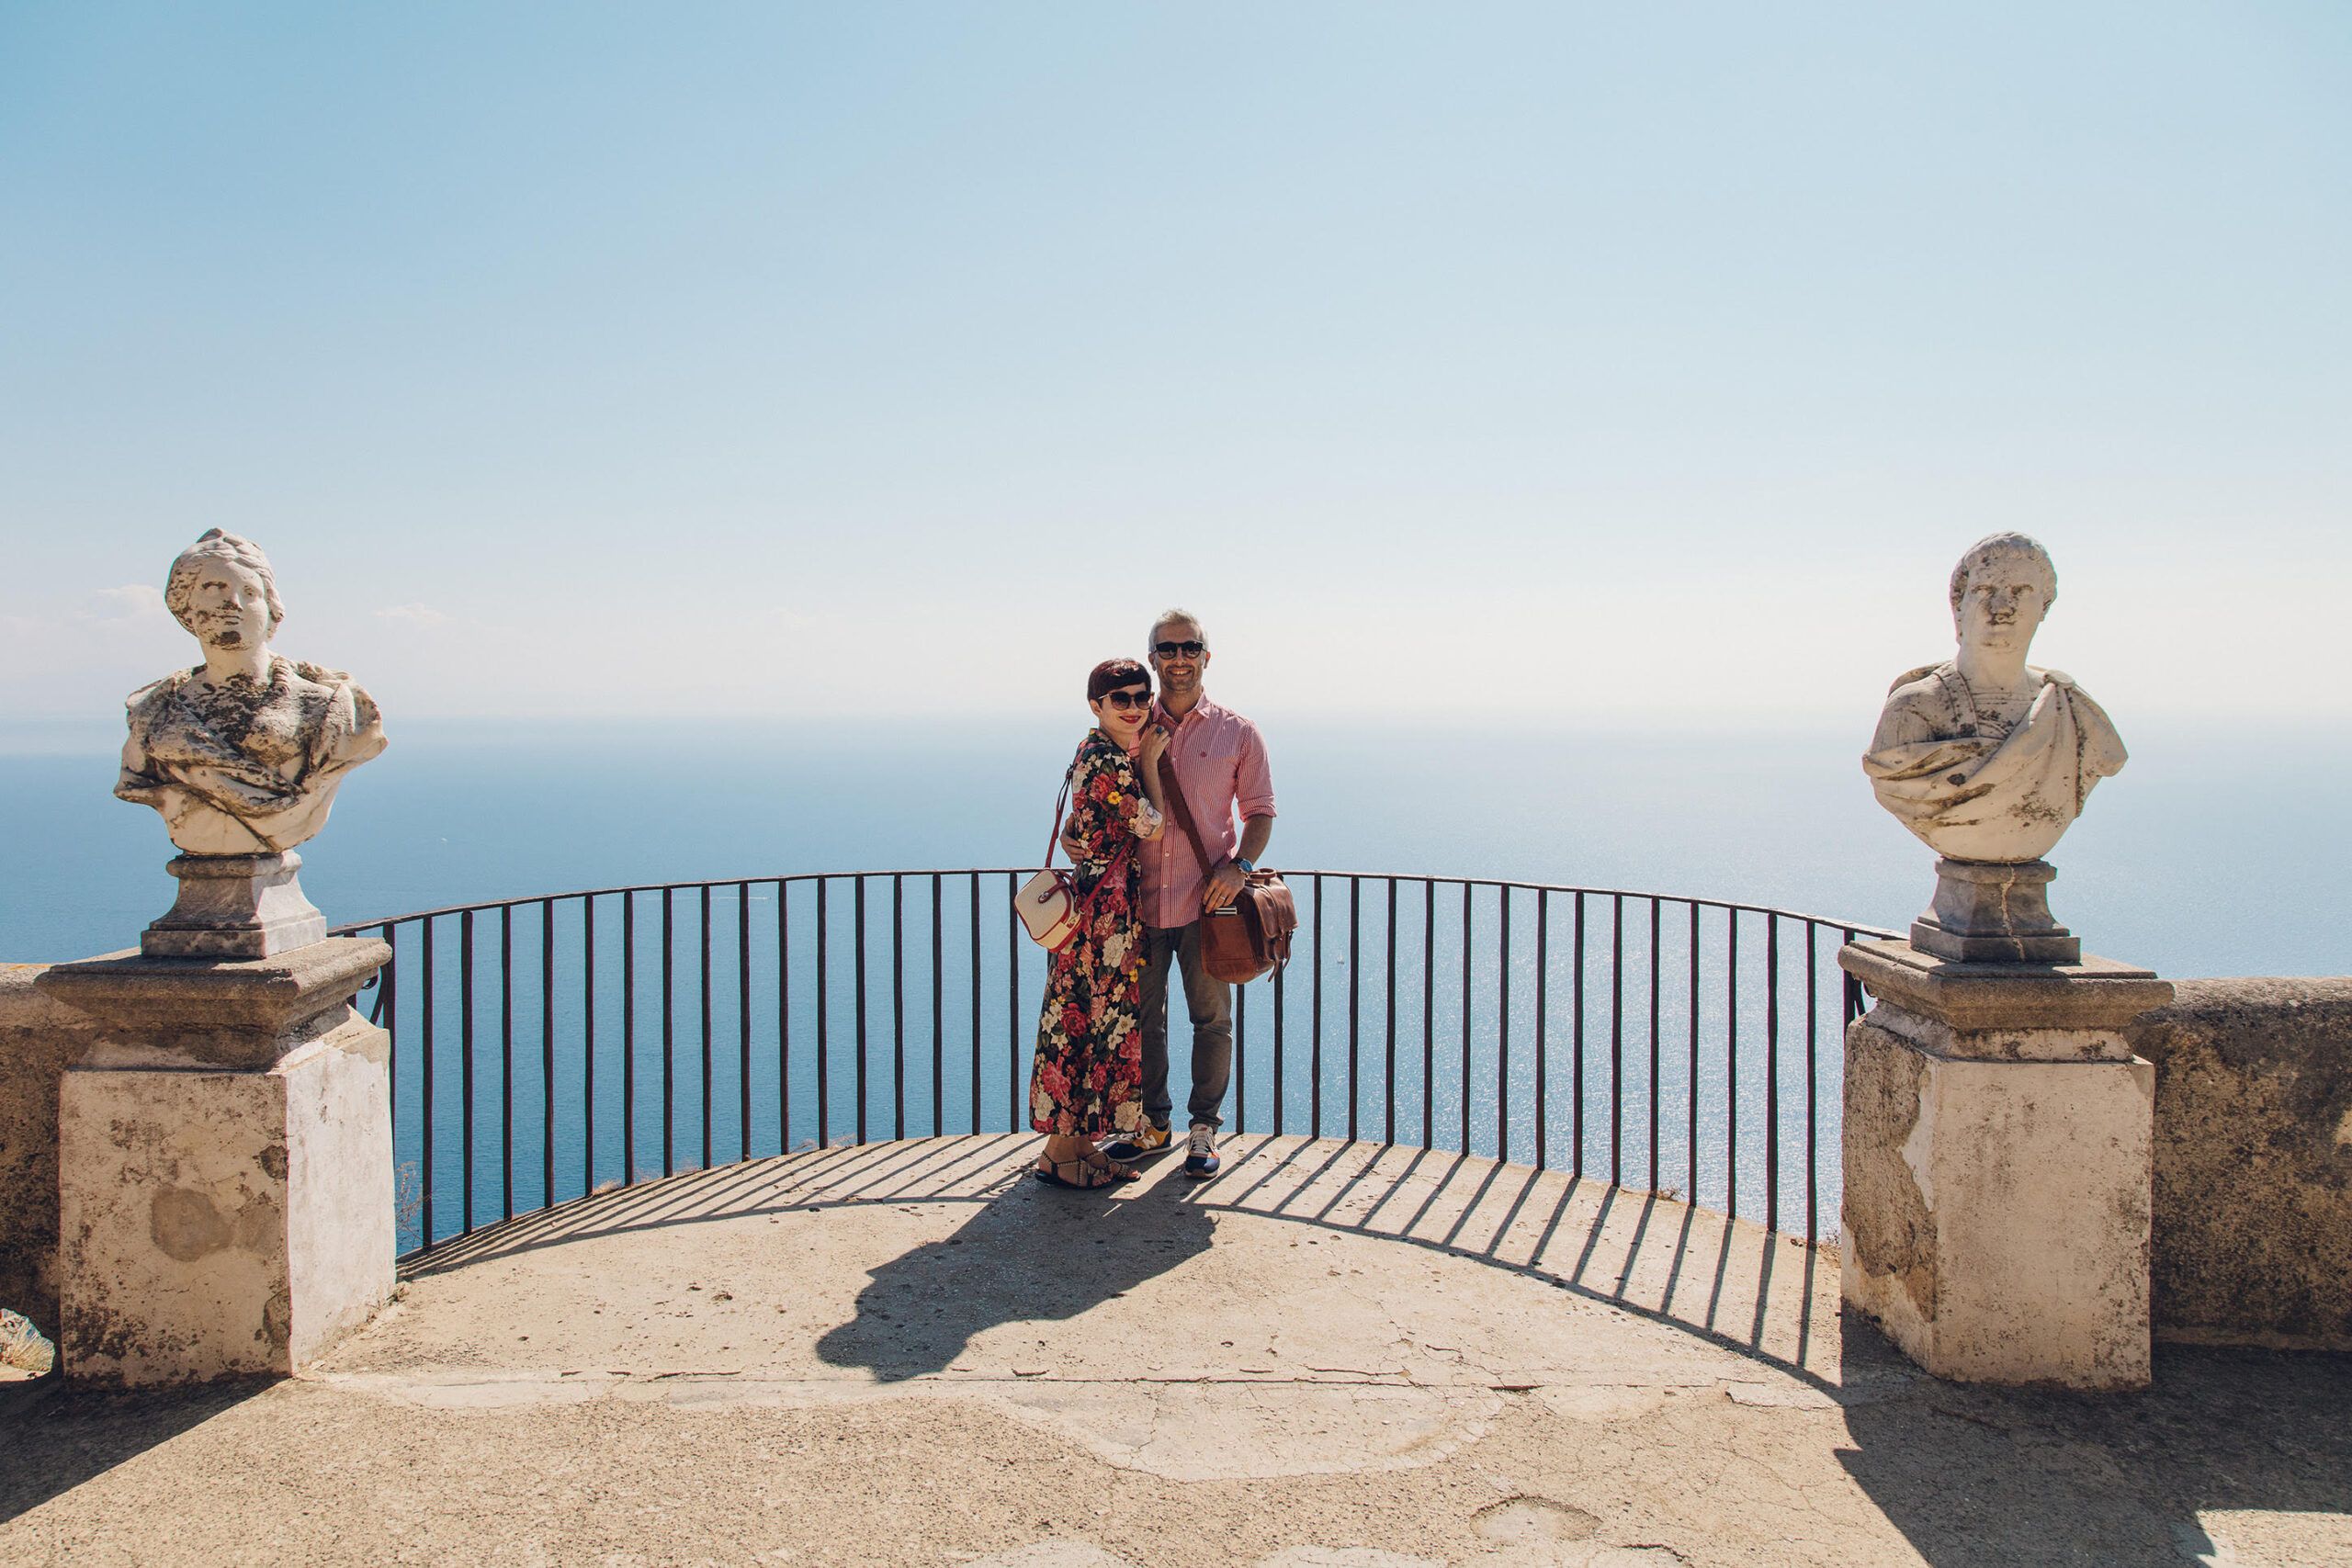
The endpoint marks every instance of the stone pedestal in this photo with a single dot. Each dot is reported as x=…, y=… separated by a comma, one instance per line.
x=1995, y=912
x=1998, y=1157
x=224, y=1164
x=235, y=906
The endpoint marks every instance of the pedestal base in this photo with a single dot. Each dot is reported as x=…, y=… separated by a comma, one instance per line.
x=235, y=906
x=224, y=1166
x=1995, y=913
x=1997, y=1144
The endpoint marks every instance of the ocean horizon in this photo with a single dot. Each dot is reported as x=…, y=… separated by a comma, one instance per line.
x=2204, y=857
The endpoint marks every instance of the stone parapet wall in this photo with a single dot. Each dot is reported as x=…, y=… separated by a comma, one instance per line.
x=2253, y=1185
x=39, y=1037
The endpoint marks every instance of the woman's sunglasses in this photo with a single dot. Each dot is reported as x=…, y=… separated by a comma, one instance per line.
x=1128, y=700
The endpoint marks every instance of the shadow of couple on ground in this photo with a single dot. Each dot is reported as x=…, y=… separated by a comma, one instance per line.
x=1037, y=1252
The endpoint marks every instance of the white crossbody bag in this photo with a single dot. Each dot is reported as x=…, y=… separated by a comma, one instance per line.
x=1047, y=903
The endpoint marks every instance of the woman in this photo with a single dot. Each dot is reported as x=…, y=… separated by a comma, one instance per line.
x=1089, y=1073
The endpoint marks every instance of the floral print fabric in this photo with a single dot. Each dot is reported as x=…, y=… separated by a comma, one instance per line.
x=1086, y=1079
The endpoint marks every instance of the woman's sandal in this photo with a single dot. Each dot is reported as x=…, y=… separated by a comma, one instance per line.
x=1090, y=1172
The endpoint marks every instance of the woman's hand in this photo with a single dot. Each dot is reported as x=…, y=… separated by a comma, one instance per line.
x=1154, y=746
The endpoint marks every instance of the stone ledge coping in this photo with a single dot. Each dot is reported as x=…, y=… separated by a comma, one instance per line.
x=235, y=1013
x=2097, y=993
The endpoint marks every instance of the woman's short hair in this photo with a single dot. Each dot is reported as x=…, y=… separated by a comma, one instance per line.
x=1993, y=546
x=1112, y=674
x=218, y=544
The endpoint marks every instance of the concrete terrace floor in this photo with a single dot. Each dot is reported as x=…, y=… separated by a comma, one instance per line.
x=1333, y=1354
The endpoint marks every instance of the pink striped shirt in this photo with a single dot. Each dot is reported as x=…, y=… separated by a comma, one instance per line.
x=1221, y=767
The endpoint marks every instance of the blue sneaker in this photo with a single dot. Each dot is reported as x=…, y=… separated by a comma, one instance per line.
x=1200, y=1151
x=1149, y=1140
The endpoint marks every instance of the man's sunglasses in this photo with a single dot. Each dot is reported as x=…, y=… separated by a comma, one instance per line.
x=1170, y=650
x=1125, y=701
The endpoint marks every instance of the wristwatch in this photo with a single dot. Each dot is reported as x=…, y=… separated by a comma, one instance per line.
x=1246, y=864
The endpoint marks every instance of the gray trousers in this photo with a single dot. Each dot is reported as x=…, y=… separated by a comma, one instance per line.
x=1210, y=1002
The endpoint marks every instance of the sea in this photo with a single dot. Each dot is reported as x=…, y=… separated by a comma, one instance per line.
x=1590, y=1032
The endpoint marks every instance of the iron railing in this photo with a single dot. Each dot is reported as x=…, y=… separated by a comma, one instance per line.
x=1687, y=1046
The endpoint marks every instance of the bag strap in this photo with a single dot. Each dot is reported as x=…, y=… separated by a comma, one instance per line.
x=1118, y=857
x=1174, y=791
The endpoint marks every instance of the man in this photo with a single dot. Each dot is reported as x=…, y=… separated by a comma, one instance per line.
x=1220, y=765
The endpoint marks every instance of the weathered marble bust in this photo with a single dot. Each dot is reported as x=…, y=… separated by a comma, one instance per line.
x=1985, y=757
x=1988, y=760
x=243, y=753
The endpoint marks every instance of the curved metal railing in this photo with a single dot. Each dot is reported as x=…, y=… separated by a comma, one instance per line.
x=1622, y=1035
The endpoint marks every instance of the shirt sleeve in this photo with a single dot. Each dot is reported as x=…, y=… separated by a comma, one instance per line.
x=1253, y=777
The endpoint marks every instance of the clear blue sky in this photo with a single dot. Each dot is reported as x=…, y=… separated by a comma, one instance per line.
x=1549, y=361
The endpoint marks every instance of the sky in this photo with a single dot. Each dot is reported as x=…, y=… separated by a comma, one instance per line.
x=1550, y=364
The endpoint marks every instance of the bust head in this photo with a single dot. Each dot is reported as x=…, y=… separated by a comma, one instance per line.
x=2001, y=589
x=222, y=589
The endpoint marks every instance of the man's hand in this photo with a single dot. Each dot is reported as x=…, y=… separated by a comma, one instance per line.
x=1225, y=884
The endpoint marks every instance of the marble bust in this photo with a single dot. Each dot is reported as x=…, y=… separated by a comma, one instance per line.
x=1983, y=756
x=243, y=753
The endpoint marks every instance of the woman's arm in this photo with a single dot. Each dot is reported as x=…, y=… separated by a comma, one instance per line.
x=1151, y=816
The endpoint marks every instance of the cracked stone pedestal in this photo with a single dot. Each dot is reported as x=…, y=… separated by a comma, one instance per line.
x=235, y=906
x=1998, y=1161
x=224, y=1164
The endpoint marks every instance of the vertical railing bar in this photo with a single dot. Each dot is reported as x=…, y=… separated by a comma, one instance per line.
x=858, y=921
x=1467, y=925
x=425, y=1064
x=1240, y=1059
x=744, y=1020
x=1502, y=1030
x=1576, y=1044
x=976, y=1002
x=1812, y=1063
x=1388, y=1021
x=1772, y=1073
x=784, y=1016
x=465, y=1059
x=1013, y=1095
x=1281, y=1117
x=506, y=1060
x=588, y=1043
x=897, y=1005
x=1428, y=1013
x=1543, y=1023
x=1315, y=1048
x=628, y=1039
x=1655, y=907
x=547, y=1052
x=702, y=960
x=938, y=1024
x=669, y=1033
x=1690, y=1081
x=824, y=1020
x=1731, y=1066
x=1355, y=973
x=1617, y=1040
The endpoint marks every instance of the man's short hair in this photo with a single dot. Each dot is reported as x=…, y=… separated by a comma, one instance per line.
x=1993, y=546
x=1169, y=617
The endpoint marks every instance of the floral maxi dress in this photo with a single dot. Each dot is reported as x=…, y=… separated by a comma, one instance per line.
x=1088, y=1078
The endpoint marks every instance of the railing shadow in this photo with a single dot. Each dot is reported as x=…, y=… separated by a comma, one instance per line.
x=1689, y=1270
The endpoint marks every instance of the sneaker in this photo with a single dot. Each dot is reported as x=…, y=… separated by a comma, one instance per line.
x=1200, y=1151
x=1149, y=1140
